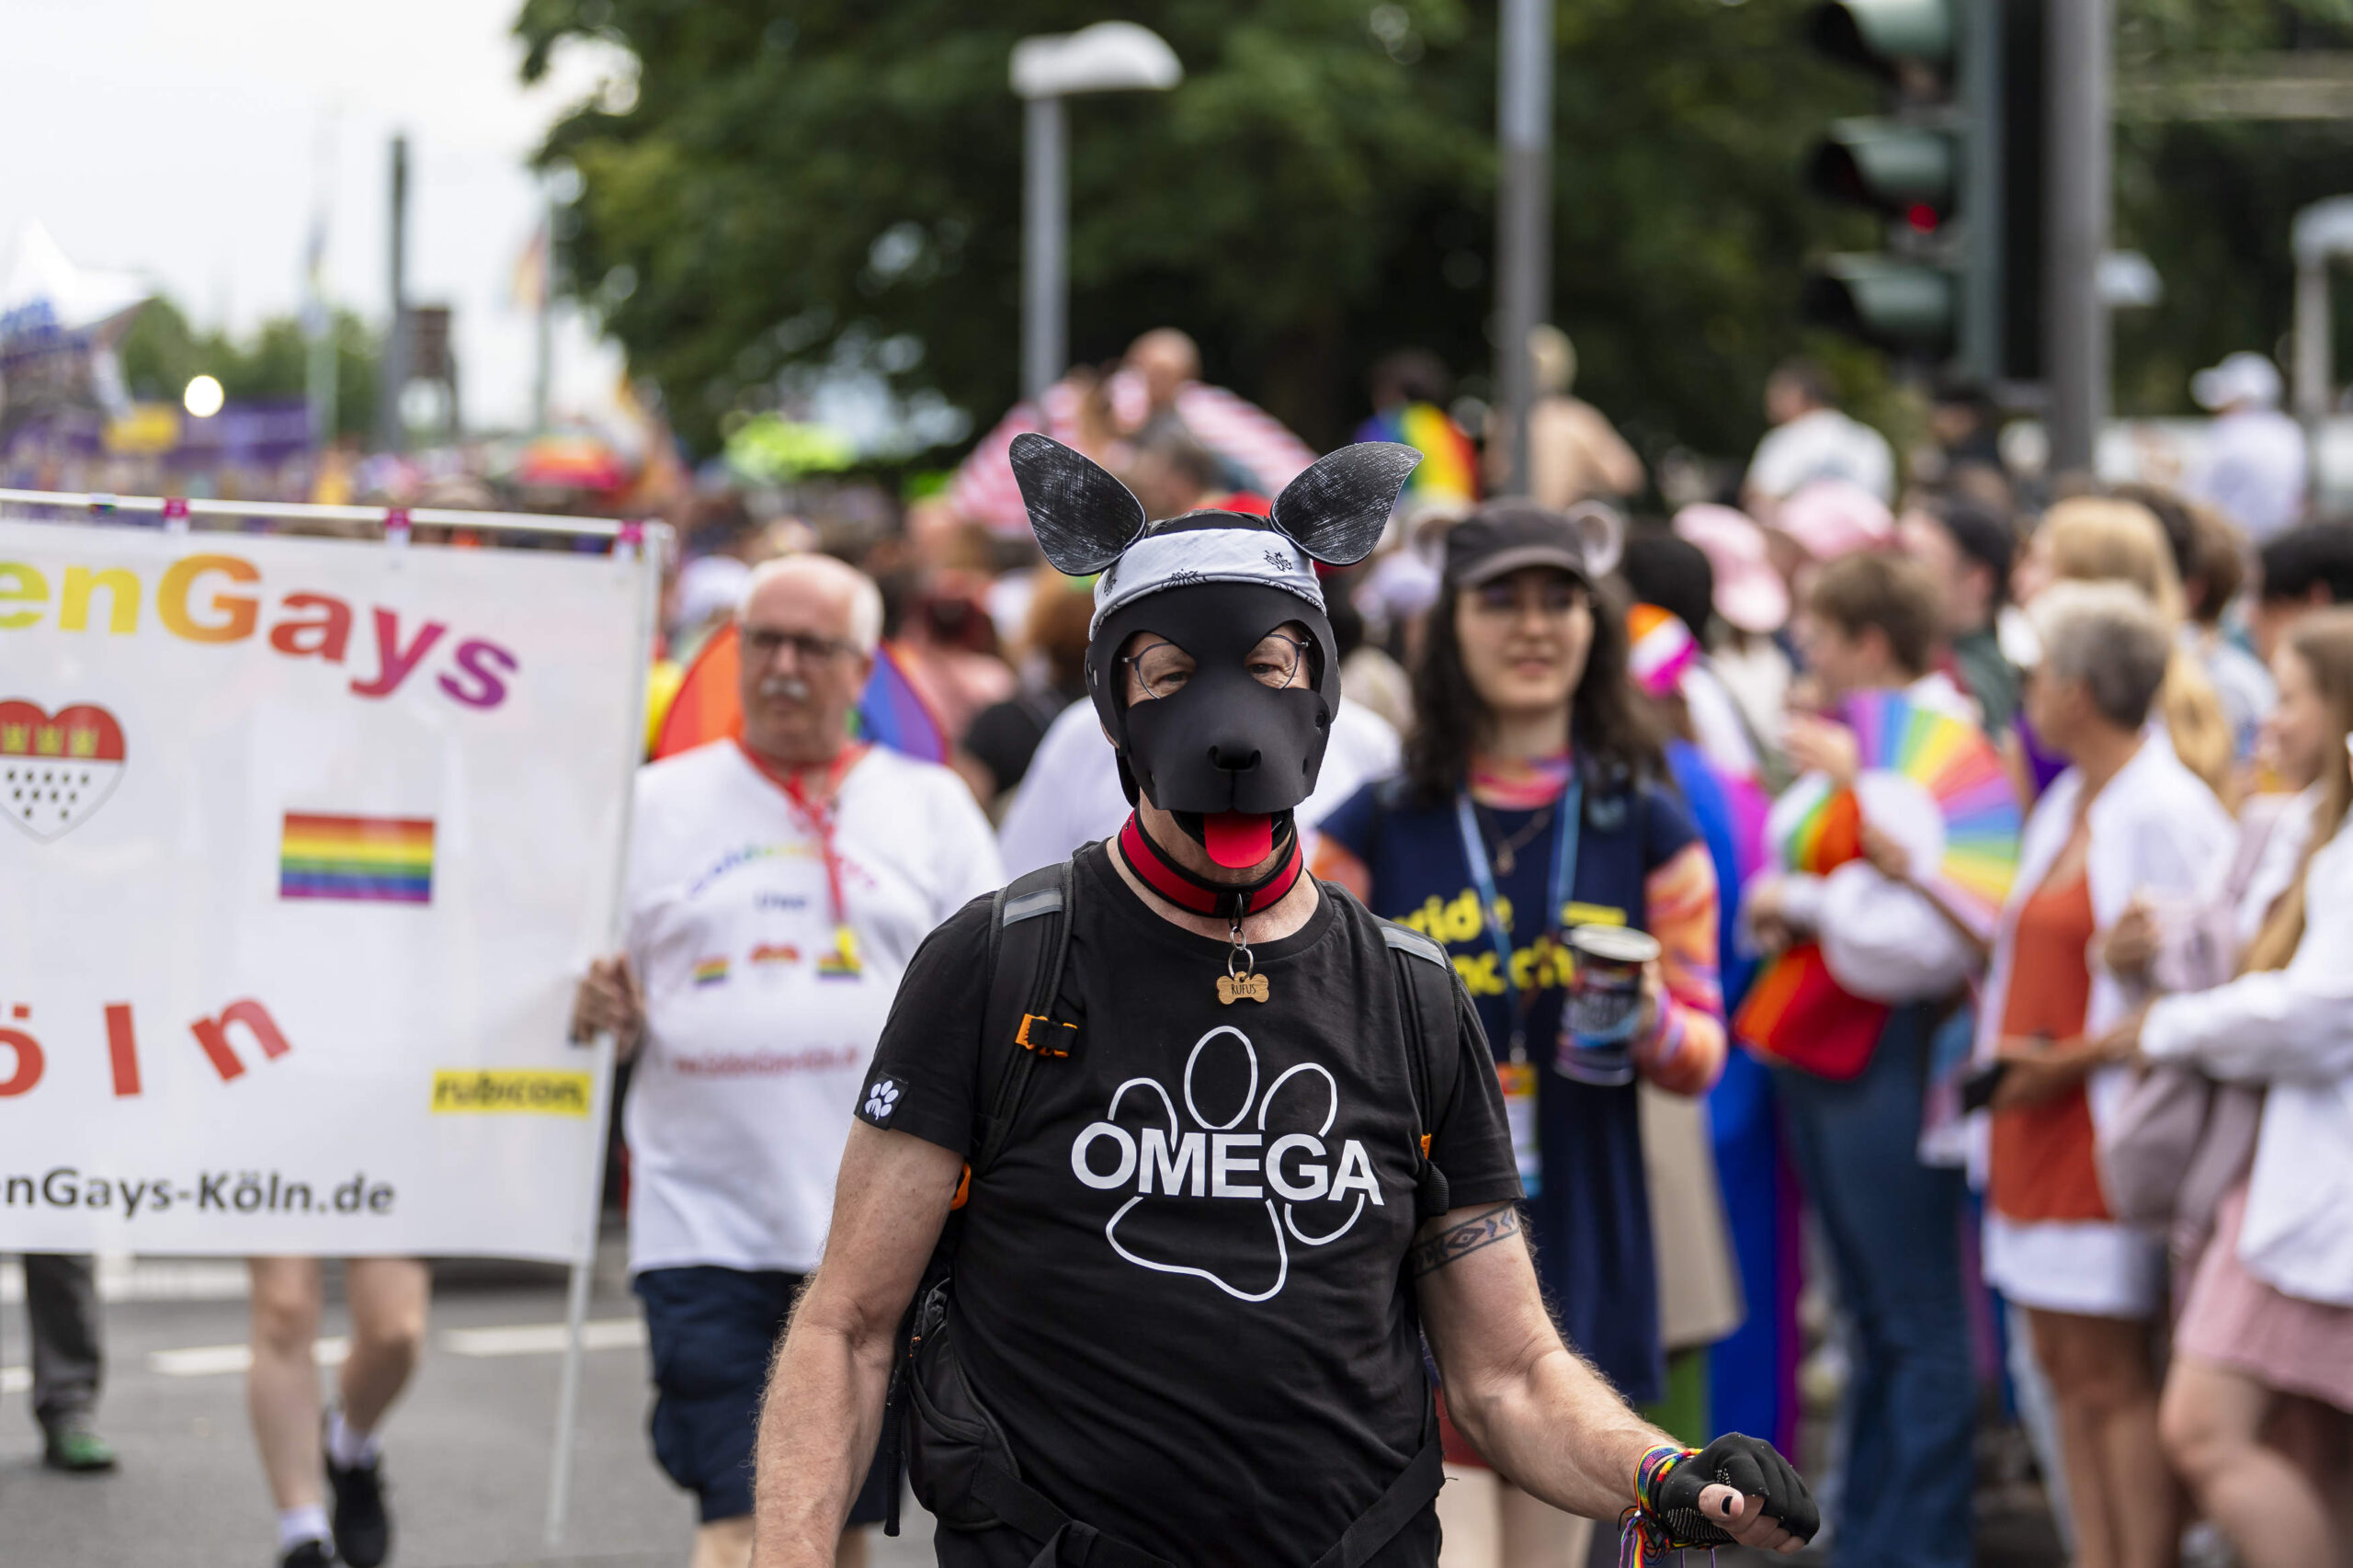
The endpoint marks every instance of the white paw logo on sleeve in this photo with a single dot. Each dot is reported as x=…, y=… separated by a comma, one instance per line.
x=1225, y=1160
x=881, y=1100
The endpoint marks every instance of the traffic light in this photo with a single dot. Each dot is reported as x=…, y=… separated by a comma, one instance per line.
x=1907, y=166
x=1953, y=167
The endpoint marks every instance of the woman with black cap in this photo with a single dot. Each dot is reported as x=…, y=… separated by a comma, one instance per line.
x=1531, y=833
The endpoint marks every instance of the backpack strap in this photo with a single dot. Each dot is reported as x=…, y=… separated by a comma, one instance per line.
x=1029, y=939
x=1427, y=987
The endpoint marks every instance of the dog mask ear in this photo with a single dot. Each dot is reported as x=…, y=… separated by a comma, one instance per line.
x=1335, y=510
x=1082, y=516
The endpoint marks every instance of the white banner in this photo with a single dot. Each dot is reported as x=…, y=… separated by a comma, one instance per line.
x=308, y=841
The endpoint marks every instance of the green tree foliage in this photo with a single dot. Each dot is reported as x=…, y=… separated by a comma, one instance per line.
x=161, y=352
x=799, y=182
x=2211, y=203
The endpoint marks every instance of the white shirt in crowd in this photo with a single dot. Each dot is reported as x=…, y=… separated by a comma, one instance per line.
x=2157, y=833
x=1071, y=795
x=2251, y=469
x=1822, y=444
x=757, y=1036
x=2292, y=1028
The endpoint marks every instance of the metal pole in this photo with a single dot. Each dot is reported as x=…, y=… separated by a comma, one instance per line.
x=646, y=559
x=1045, y=247
x=391, y=433
x=1523, y=214
x=543, y=349
x=2312, y=337
x=2076, y=325
x=567, y=1399
x=1981, y=189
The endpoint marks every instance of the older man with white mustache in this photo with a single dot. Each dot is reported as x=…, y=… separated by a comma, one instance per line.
x=779, y=883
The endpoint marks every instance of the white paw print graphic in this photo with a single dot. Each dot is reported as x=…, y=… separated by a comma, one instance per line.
x=1306, y=1170
x=881, y=1100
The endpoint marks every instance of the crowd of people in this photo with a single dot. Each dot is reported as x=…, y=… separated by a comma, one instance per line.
x=2062, y=1133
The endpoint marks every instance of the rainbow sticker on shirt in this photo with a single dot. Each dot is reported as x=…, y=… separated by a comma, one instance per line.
x=842, y=962
x=774, y=955
x=709, y=972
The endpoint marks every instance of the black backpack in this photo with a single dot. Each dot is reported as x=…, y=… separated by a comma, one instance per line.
x=935, y=1429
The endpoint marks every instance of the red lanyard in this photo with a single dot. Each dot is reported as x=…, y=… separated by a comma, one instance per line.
x=820, y=817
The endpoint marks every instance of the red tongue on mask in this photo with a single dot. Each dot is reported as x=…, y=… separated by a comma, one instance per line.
x=1238, y=840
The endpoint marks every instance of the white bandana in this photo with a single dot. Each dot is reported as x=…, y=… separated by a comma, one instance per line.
x=1258, y=556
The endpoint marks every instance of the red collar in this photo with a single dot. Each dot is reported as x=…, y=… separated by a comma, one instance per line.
x=1187, y=890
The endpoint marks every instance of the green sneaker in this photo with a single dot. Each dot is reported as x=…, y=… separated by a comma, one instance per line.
x=73, y=1448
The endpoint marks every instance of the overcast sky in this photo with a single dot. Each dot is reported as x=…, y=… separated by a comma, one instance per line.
x=191, y=141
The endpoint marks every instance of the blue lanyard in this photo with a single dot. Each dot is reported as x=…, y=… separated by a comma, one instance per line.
x=1564, y=872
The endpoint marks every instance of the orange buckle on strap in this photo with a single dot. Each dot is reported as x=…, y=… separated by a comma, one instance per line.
x=1056, y=1046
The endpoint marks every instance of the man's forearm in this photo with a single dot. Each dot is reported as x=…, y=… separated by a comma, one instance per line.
x=1560, y=1432
x=818, y=1427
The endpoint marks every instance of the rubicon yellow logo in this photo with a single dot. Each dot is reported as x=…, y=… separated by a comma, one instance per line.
x=511, y=1091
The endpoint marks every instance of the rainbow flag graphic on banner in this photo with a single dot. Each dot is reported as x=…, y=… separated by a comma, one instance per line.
x=362, y=860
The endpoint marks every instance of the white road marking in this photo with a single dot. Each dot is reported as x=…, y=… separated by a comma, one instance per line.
x=514, y=1339
x=544, y=1338
x=221, y=1360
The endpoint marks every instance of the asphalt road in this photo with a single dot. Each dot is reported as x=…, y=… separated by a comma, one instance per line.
x=467, y=1450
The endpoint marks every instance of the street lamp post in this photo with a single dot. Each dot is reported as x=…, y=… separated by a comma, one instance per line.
x=1523, y=214
x=1108, y=57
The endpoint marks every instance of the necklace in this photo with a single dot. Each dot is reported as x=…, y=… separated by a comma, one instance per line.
x=1507, y=850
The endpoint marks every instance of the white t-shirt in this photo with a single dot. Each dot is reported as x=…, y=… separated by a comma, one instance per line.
x=1071, y=795
x=757, y=1037
x=2253, y=470
x=1822, y=444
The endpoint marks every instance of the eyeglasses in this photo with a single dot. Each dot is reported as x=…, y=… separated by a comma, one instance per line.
x=1163, y=669
x=761, y=644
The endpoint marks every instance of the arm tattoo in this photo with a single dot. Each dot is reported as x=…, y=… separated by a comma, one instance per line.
x=1479, y=1231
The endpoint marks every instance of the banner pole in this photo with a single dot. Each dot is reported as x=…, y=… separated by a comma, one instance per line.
x=567, y=1402
x=630, y=540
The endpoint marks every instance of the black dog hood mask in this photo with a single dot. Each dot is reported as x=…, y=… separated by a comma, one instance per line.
x=1226, y=755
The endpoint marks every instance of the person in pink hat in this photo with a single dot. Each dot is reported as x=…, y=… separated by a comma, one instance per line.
x=1753, y=602
x=1824, y=520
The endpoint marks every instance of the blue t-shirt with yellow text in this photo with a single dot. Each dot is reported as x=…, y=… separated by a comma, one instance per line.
x=1591, y=1217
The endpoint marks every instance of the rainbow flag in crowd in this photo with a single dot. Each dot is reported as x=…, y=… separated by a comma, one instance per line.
x=1449, y=467
x=709, y=972
x=362, y=860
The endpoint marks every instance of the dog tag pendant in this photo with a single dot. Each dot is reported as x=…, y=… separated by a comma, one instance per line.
x=1251, y=987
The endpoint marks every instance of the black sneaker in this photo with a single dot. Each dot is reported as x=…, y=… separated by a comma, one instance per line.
x=363, y=1530
x=308, y=1554
x=72, y=1447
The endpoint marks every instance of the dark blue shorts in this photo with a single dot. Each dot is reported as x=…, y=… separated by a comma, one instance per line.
x=711, y=1332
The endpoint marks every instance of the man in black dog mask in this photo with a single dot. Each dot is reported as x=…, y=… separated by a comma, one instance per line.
x=1178, y=1190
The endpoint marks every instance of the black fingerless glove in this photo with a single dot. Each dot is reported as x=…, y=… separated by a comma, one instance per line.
x=1749, y=1466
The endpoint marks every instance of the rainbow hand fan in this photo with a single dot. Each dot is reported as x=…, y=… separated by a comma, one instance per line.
x=1976, y=853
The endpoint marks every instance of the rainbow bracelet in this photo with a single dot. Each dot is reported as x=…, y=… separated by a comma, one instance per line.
x=1642, y=1537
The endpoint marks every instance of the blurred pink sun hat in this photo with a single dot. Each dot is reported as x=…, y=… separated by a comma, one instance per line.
x=1749, y=594
x=1831, y=517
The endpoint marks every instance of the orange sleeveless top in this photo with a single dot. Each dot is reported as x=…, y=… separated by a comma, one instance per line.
x=2044, y=1163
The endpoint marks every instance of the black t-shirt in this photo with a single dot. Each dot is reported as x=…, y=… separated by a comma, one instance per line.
x=1182, y=1288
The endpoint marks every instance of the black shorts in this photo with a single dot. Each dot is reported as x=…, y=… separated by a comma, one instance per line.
x=711, y=1332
